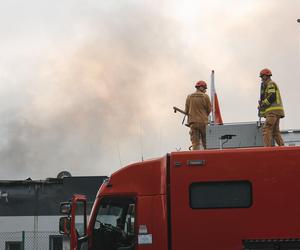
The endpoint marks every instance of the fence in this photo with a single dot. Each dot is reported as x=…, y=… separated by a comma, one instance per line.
x=30, y=241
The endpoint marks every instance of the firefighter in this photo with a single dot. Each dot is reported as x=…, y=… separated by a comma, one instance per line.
x=270, y=107
x=198, y=108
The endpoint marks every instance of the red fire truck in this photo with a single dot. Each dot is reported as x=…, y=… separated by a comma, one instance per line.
x=229, y=199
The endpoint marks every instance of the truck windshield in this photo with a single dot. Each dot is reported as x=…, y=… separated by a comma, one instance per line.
x=114, y=224
x=109, y=214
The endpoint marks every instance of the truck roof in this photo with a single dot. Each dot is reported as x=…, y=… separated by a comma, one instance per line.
x=149, y=177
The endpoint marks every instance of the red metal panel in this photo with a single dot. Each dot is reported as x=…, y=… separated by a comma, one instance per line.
x=144, y=178
x=274, y=214
x=146, y=181
x=160, y=222
x=144, y=215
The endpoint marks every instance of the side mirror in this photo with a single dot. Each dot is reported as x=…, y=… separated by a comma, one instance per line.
x=64, y=225
x=65, y=208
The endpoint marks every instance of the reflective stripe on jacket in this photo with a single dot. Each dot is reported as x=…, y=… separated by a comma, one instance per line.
x=271, y=100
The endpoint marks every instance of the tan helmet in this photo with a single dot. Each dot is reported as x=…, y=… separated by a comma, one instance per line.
x=201, y=84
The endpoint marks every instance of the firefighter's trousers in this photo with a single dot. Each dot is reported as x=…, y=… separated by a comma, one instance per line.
x=271, y=131
x=198, y=135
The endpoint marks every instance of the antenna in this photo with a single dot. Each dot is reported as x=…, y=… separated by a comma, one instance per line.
x=118, y=150
x=141, y=140
x=119, y=154
x=160, y=139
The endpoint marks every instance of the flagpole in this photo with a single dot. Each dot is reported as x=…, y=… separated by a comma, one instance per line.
x=212, y=96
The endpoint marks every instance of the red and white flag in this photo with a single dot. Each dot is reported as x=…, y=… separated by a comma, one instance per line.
x=216, y=117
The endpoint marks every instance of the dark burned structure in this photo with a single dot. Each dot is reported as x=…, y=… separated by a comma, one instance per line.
x=29, y=209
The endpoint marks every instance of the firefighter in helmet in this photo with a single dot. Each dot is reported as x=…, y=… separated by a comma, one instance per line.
x=270, y=107
x=198, y=108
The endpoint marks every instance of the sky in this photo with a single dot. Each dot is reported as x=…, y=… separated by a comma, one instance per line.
x=88, y=86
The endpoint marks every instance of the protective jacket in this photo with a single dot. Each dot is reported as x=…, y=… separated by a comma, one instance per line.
x=198, y=107
x=271, y=100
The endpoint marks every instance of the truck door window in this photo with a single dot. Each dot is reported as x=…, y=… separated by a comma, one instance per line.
x=130, y=218
x=79, y=219
x=114, y=224
x=221, y=194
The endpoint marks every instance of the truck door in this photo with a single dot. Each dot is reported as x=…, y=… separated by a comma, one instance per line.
x=74, y=225
x=207, y=207
x=114, y=224
x=235, y=199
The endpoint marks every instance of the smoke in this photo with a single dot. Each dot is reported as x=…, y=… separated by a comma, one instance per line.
x=90, y=103
x=90, y=88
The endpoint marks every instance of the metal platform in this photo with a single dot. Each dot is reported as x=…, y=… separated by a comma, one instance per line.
x=234, y=135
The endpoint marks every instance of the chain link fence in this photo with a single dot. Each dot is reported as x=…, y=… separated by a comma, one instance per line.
x=26, y=240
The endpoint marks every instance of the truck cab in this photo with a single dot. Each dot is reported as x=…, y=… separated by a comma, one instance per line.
x=229, y=199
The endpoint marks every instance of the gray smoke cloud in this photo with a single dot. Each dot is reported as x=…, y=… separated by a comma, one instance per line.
x=90, y=87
